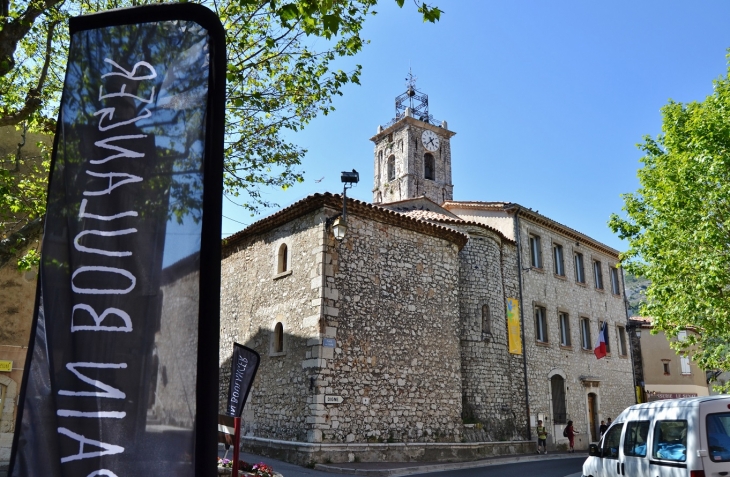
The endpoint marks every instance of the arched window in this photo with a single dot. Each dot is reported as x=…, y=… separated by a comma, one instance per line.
x=282, y=263
x=428, y=167
x=278, y=342
x=557, y=388
x=391, y=168
x=380, y=197
x=486, y=321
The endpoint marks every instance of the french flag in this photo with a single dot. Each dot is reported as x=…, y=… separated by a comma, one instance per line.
x=600, y=348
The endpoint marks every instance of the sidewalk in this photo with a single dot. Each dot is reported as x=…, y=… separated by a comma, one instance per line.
x=394, y=469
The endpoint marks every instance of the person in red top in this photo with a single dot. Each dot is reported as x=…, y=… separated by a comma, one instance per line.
x=570, y=432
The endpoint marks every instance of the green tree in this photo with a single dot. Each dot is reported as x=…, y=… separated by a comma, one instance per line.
x=678, y=226
x=278, y=80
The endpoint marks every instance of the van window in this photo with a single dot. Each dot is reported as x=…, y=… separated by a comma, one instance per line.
x=611, y=441
x=635, y=439
x=670, y=441
x=718, y=435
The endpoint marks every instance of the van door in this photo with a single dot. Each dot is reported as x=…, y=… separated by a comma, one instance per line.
x=610, y=451
x=635, y=448
x=715, y=438
x=669, y=449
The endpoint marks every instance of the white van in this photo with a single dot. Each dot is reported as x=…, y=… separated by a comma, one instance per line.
x=678, y=437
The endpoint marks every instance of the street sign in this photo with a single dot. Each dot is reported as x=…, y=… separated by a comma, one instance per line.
x=333, y=399
x=329, y=342
x=6, y=365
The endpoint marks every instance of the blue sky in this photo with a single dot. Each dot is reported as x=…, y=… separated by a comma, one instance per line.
x=548, y=99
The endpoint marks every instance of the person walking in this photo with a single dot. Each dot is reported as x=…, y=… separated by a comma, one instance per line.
x=541, y=437
x=570, y=434
x=602, y=429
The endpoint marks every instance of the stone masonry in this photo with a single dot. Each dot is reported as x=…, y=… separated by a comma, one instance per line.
x=388, y=296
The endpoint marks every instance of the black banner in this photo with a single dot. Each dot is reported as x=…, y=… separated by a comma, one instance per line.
x=122, y=367
x=244, y=364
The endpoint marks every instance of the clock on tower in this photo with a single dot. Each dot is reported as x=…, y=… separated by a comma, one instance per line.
x=412, y=152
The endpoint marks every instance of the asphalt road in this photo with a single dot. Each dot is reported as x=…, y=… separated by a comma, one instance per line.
x=570, y=467
x=563, y=467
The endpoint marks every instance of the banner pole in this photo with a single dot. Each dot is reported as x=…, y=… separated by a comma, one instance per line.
x=236, y=444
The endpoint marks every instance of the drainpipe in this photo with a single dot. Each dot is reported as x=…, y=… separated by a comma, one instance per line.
x=631, y=332
x=522, y=317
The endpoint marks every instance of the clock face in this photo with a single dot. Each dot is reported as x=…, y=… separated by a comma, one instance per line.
x=430, y=140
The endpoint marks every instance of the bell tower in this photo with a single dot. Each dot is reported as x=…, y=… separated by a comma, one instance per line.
x=412, y=152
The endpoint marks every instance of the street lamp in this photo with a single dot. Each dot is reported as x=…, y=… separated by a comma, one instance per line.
x=339, y=223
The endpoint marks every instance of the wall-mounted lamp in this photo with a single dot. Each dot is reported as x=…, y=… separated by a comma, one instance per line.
x=339, y=223
x=636, y=327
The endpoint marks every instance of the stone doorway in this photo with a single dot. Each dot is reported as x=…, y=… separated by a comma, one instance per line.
x=592, y=416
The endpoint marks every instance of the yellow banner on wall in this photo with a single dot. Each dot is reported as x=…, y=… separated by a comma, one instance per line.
x=513, y=326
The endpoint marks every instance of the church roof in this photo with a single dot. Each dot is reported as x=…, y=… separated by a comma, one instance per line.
x=529, y=214
x=354, y=207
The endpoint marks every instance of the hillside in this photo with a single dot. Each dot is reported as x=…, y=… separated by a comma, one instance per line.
x=635, y=292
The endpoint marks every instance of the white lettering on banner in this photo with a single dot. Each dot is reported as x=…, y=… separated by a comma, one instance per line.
x=111, y=392
x=237, y=381
x=109, y=448
x=112, y=185
x=96, y=291
x=104, y=143
x=106, y=472
x=98, y=319
x=131, y=74
x=122, y=94
x=120, y=146
x=92, y=414
x=84, y=215
x=110, y=113
x=102, y=233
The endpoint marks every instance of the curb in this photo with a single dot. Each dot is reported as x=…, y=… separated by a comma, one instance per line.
x=436, y=467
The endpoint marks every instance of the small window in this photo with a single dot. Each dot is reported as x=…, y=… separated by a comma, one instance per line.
x=564, y=321
x=597, y=275
x=682, y=335
x=665, y=364
x=579, y=272
x=559, y=266
x=486, y=322
x=670, y=441
x=282, y=262
x=611, y=442
x=535, y=252
x=278, y=341
x=585, y=333
x=684, y=363
x=428, y=167
x=637, y=433
x=622, y=341
x=540, y=325
x=400, y=145
x=718, y=435
x=391, y=168
x=615, y=288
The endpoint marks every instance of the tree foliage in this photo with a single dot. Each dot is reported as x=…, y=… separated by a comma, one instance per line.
x=281, y=74
x=678, y=226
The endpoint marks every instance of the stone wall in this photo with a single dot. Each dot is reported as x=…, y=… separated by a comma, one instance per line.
x=493, y=380
x=174, y=371
x=395, y=314
x=254, y=298
x=372, y=322
x=605, y=384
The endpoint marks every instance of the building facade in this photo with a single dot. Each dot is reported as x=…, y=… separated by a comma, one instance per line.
x=434, y=320
x=665, y=374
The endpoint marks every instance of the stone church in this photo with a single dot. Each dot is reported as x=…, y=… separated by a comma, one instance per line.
x=435, y=329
